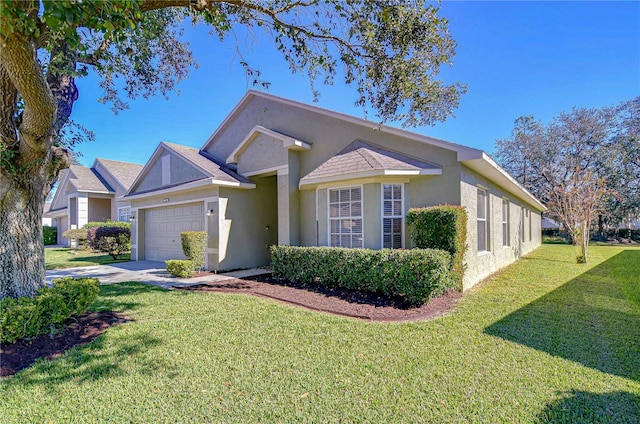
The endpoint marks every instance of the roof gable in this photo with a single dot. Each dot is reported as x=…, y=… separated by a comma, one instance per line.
x=288, y=143
x=88, y=180
x=475, y=159
x=361, y=159
x=462, y=151
x=123, y=173
x=172, y=165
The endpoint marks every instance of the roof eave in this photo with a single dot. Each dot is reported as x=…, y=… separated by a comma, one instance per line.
x=307, y=183
x=487, y=167
x=188, y=186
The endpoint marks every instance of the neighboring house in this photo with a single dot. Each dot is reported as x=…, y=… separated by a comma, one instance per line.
x=550, y=224
x=92, y=194
x=278, y=171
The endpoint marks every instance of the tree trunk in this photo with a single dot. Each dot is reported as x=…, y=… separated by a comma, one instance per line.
x=600, y=227
x=22, y=269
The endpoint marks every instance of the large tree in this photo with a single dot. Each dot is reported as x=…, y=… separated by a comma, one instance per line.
x=583, y=164
x=391, y=52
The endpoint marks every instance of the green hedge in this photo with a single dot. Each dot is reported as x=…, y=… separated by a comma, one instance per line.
x=413, y=275
x=441, y=227
x=180, y=268
x=50, y=235
x=78, y=234
x=50, y=308
x=108, y=223
x=194, y=244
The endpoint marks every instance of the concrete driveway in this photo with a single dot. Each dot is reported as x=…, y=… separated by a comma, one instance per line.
x=147, y=272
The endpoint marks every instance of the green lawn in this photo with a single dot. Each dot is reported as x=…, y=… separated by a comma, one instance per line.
x=56, y=258
x=546, y=340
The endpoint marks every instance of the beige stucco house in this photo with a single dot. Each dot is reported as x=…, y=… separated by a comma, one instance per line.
x=91, y=194
x=278, y=171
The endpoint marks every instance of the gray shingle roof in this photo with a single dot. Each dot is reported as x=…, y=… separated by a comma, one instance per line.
x=210, y=165
x=124, y=172
x=87, y=179
x=360, y=157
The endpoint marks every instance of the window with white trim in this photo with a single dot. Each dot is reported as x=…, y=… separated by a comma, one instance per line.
x=124, y=214
x=505, y=222
x=392, y=216
x=482, y=212
x=530, y=224
x=345, y=217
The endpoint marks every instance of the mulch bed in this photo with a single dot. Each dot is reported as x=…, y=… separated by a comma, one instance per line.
x=332, y=300
x=80, y=330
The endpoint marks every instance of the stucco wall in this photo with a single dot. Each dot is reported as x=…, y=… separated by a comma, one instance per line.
x=99, y=209
x=418, y=192
x=482, y=264
x=244, y=215
x=178, y=171
x=264, y=152
x=172, y=199
x=326, y=134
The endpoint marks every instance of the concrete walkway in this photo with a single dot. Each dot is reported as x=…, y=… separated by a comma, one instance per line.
x=147, y=272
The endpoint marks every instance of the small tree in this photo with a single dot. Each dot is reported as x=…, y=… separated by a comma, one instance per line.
x=577, y=202
x=114, y=241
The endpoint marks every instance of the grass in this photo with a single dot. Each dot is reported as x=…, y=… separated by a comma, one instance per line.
x=545, y=340
x=57, y=258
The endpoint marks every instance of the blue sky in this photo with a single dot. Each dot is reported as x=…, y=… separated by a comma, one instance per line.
x=517, y=58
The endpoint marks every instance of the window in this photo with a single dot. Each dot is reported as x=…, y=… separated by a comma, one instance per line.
x=483, y=207
x=392, y=216
x=124, y=214
x=522, y=224
x=530, y=219
x=345, y=217
x=505, y=222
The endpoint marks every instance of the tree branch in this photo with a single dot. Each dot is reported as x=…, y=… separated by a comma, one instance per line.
x=202, y=5
x=18, y=56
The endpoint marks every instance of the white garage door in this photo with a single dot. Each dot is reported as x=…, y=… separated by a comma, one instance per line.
x=162, y=228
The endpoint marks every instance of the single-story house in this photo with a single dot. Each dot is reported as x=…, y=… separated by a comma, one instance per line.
x=92, y=194
x=277, y=171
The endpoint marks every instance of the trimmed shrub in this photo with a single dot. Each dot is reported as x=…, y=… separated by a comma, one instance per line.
x=50, y=235
x=93, y=226
x=109, y=223
x=180, y=268
x=114, y=241
x=48, y=310
x=194, y=244
x=77, y=234
x=412, y=275
x=441, y=227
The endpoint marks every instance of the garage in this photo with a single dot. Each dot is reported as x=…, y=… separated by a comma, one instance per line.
x=162, y=228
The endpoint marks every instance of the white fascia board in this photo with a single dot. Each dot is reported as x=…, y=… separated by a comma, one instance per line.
x=188, y=186
x=488, y=168
x=312, y=182
x=186, y=159
x=463, y=152
x=288, y=143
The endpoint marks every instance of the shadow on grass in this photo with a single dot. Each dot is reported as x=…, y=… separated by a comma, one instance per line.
x=105, y=357
x=112, y=297
x=586, y=407
x=587, y=320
